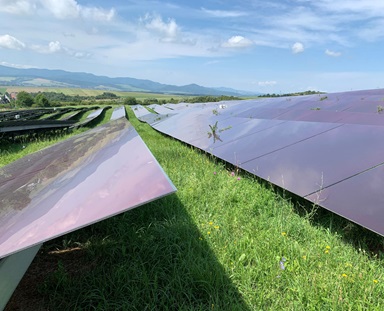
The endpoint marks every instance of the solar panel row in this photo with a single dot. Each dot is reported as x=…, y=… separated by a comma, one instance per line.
x=327, y=148
x=77, y=182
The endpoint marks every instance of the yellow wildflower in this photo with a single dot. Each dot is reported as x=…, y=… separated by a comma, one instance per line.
x=283, y=233
x=217, y=227
x=326, y=251
x=211, y=223
x=305, y=257
x=327, y=247
x=209, y=232
x=375, y=281
x=344, y=275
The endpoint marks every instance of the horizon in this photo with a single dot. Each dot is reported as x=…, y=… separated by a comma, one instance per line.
x=274, y=47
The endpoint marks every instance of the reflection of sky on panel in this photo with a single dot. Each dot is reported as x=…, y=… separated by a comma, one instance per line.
x=139, y=111
x=160, y=109
x=348, y=139
x=270, y=139
x=311, y=116
x=95, y=113
x=118, y=112
x=331, y=156
x=230, y=130
x=366, y=106
x=359, y=199
x=262, y=113
x=102, y=180
x=362, y=118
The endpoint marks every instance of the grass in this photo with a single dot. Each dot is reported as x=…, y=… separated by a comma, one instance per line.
x=90, y=92
x=217, y=244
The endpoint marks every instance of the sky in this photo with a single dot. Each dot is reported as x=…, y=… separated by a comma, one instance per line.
x=276, y=46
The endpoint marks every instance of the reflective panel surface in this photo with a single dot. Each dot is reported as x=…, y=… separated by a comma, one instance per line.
x=324, y=147
x=82, y=180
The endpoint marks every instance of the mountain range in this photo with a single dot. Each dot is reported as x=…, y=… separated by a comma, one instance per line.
x=10, y=76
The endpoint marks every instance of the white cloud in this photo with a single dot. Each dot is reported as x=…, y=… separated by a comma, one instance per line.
x=237, y=42
x=9, y=42
x=168, y=31
x=16, y=65
x=224, y=14
x=332, y=53
x=266, y=83
x=97, y=14
x=297, y=48
x=62, y=9
x=17, y=6
x=372, y=8
x=54, y=47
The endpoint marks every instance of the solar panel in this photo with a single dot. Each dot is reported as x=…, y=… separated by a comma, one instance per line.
x=77, y=182
x=118, y=112
x=327, y=148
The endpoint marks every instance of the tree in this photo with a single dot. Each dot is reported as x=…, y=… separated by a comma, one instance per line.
x=24, y=99
x=107, y=95
x=41, y=101
x=130, y=101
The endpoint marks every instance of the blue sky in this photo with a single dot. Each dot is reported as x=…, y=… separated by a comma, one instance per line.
x=267, y=46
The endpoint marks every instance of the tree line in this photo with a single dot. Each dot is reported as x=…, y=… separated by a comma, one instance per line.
x=49, y=99
x=196, y=99
x=292, y=94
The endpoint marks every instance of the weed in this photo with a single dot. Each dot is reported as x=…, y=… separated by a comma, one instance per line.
x=213, y=132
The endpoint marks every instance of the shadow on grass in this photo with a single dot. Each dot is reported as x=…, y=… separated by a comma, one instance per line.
x=150, y=258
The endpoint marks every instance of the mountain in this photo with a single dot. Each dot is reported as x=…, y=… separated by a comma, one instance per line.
x=238, y=92
x=61, y=78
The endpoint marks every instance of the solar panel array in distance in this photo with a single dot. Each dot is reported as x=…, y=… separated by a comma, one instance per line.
x=327, y=148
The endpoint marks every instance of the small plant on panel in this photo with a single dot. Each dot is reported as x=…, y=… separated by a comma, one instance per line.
x=380, y=109
x=213, y=132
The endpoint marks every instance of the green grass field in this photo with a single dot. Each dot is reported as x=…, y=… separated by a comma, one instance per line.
x=224, y=241
x=89, y=92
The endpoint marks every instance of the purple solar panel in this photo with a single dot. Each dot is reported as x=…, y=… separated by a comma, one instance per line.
x=140, y=111
x=95, y=114
x=161, y=109
x=82, y=180
x=327, y=148
x=118, y=113
x=359, y=198
x=284, y=134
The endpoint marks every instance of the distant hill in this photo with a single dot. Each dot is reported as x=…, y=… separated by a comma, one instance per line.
x=60, y=78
